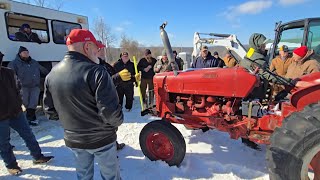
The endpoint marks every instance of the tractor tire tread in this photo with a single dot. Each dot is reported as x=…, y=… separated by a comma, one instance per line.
x=290, y=141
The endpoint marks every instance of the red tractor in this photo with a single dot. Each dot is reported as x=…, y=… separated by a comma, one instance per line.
x=217, y=98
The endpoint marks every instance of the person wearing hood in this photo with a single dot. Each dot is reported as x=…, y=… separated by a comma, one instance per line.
x=255, y=58
x=163, y=64
x=25, y=34
x=302, y=63
x=11, y=116
x=28, y=71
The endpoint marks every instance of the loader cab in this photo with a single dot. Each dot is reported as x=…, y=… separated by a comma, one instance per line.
x=305, y=32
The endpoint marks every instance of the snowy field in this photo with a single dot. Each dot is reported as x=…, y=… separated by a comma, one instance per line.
x=210, y=155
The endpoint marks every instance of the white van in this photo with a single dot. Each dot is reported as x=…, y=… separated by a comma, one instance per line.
x=50, y=25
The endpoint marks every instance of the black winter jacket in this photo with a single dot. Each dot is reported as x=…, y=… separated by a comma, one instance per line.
x=32, y=37
x=115, y=76
x=143, y=63
x=10, y=97
x=86, y=101
x=119, y=66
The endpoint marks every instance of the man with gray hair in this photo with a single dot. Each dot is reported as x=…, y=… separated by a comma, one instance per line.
x=84, y=96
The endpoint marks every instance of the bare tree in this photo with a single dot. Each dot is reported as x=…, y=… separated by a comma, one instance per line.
x=132, y=46
x=58, y=4
x=40, y=3
x=55, y=4
x=103, y=32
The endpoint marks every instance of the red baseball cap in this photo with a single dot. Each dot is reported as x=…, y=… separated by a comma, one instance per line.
x=82, y=35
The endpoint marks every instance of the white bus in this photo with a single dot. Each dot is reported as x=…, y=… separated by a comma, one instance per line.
x=50, y=25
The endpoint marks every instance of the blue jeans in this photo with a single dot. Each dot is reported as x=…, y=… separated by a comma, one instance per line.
x=19, y=124
x=106, y=157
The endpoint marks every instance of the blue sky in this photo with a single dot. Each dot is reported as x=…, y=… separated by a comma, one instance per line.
x=140, y=19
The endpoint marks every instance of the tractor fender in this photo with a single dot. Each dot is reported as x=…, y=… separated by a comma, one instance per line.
x=306, y=96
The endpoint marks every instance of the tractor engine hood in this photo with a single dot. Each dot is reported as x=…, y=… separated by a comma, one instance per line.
x=224, y=82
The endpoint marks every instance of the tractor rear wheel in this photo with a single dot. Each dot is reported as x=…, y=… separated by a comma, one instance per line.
x=295, y=146
x=160, y=140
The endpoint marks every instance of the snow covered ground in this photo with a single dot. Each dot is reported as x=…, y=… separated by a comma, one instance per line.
x=210, y=155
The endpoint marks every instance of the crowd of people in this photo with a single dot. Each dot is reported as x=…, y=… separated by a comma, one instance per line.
x=89, y=99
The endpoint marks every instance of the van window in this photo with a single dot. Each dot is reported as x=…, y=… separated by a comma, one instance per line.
x=61, y=29
x=38, y=26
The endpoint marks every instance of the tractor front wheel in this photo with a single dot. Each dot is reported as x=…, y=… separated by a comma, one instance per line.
x=160, y=140
x=294, y=152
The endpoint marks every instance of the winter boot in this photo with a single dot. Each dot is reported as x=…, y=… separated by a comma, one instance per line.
x=43, y=159
x=32, y=117
x=15, y=170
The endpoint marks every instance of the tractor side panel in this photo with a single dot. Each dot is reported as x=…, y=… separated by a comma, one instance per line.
x=223, y=82
x=304, y=97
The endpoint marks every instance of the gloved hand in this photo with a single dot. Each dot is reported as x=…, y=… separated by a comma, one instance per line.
x=137, y=76
x=125, y=75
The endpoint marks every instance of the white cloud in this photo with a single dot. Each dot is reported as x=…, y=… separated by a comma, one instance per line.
x=291, y=2
x=233, y=13
x=253, y=7
x=119, y=29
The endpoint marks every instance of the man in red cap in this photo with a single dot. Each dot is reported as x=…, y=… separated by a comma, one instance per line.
x=84, y=96
x=302, y=64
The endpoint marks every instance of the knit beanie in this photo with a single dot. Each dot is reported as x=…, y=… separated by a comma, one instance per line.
x=21, y=49
x=147, y=52
x=301, y=51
